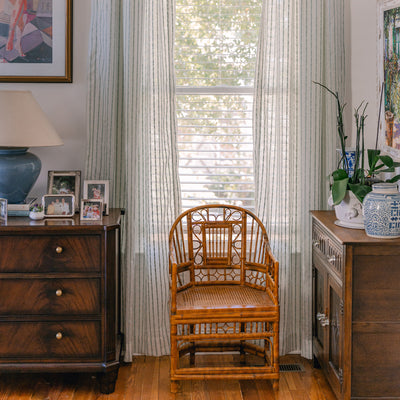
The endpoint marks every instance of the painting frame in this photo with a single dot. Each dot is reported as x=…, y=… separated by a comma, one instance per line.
x=72, y=184
x=103, y=187
x=64, y=205
x=59, y=35
x=388, y=82
x=84, y=214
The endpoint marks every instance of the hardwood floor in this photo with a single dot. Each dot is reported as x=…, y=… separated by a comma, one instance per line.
x=147, y=378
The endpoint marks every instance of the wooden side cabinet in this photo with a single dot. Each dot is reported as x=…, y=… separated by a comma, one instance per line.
x=59, y=296
x=356, y=310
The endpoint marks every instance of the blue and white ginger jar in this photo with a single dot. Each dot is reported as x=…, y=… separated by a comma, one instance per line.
x=382, y=211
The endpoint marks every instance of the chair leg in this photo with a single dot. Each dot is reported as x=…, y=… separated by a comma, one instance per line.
x=174, y=358
x=192, y=348
x=275, y=385
x=174, y=387
x=242, y=352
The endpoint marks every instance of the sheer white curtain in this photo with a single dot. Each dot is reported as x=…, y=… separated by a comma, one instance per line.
x=132, y=142
x=295, y=140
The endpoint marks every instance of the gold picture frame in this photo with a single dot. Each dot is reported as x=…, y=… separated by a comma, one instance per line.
x=36, y=52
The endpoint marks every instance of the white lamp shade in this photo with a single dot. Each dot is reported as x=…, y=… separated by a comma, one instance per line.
x=23, y=123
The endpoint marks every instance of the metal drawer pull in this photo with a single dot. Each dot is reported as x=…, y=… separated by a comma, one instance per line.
x=323, y=319
x=59, y=249
x=316, y=243
x=325, y=322
x=332, y=259
x=59, y=336
x=59, y=293
x=320, y=316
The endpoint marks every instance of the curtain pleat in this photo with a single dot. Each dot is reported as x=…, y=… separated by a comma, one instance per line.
x=295, y=139
x=132, y=142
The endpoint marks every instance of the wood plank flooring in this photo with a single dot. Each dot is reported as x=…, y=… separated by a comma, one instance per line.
x=147, y=378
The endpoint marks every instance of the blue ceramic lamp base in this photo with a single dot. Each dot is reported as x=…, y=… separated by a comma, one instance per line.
x=19, y=171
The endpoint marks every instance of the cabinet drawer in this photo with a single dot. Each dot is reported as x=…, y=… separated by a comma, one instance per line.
x=50, y=296
x=328, y=248
x=50, y=340
x=50, y=253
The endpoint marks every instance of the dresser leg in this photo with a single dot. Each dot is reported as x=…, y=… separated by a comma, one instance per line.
x=107, y=381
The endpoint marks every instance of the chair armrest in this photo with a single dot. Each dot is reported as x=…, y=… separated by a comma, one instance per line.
x=272, y=265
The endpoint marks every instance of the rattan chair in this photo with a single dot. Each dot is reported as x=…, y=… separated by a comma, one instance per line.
x=224, y=296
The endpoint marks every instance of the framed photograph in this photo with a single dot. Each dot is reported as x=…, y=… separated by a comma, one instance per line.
x=58, y=205
x=35, y=40
x=3, y=210
x=389, y=77
x=65, y=182
x=91, y=210
x=97, y=190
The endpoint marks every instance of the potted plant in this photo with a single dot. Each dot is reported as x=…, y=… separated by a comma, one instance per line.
x=36, y=211
x=348, y=188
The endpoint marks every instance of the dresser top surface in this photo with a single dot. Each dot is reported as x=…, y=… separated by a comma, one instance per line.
x=348, y=235
x=72, y=223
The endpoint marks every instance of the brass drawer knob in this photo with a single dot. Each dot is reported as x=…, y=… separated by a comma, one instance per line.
x=59, y=293
x=59, y=336
x=59, y=249
x=332, y=258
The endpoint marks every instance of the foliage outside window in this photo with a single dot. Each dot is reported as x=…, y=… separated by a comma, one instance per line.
x=215, y=52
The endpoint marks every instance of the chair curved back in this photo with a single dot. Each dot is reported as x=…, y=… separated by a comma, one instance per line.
x=221, y=244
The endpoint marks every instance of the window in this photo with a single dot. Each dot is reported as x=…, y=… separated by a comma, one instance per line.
x=215, y=53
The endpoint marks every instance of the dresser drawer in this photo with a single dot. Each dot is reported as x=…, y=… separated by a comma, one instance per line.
x=49, y=296
x=50, y=340
x=331, y=251
x=78, y=253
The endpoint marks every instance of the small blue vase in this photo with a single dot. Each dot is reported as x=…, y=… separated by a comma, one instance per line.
x=382, y=211
x=351, y=159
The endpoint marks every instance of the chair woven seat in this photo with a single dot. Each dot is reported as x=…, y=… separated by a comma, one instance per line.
x=222, y=297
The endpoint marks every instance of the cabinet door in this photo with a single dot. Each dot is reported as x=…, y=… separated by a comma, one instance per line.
x=320, y=311
x=335, y=335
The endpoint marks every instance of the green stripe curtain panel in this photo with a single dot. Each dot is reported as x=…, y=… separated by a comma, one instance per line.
x=295, y=140
x=132, y=142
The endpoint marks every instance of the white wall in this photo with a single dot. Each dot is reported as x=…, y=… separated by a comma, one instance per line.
x=363, y=53
x=65, y=105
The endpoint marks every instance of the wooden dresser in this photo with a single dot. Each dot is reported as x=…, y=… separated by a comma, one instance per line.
x=356, y=310
x=59, y=296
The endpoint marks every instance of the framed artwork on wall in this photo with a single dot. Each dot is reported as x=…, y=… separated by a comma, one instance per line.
x=35, y=40
x=388, y=86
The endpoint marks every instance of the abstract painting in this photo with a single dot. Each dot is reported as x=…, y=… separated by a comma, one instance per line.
x=35, y=40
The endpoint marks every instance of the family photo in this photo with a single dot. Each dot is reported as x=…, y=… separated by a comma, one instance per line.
x=58, y=205
x=91, y=209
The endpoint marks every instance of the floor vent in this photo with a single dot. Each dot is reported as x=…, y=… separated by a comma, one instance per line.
x=291, y=368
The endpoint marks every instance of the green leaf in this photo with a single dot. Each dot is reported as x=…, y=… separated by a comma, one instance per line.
x=387, y=170
x=394, y=179
x=387, y=160
x=339, y=188
x=339, y=174
x=373, y=157
x=359, y=190
x=358, y=175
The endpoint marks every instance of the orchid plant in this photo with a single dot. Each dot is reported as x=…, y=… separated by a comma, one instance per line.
x=360, y=183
